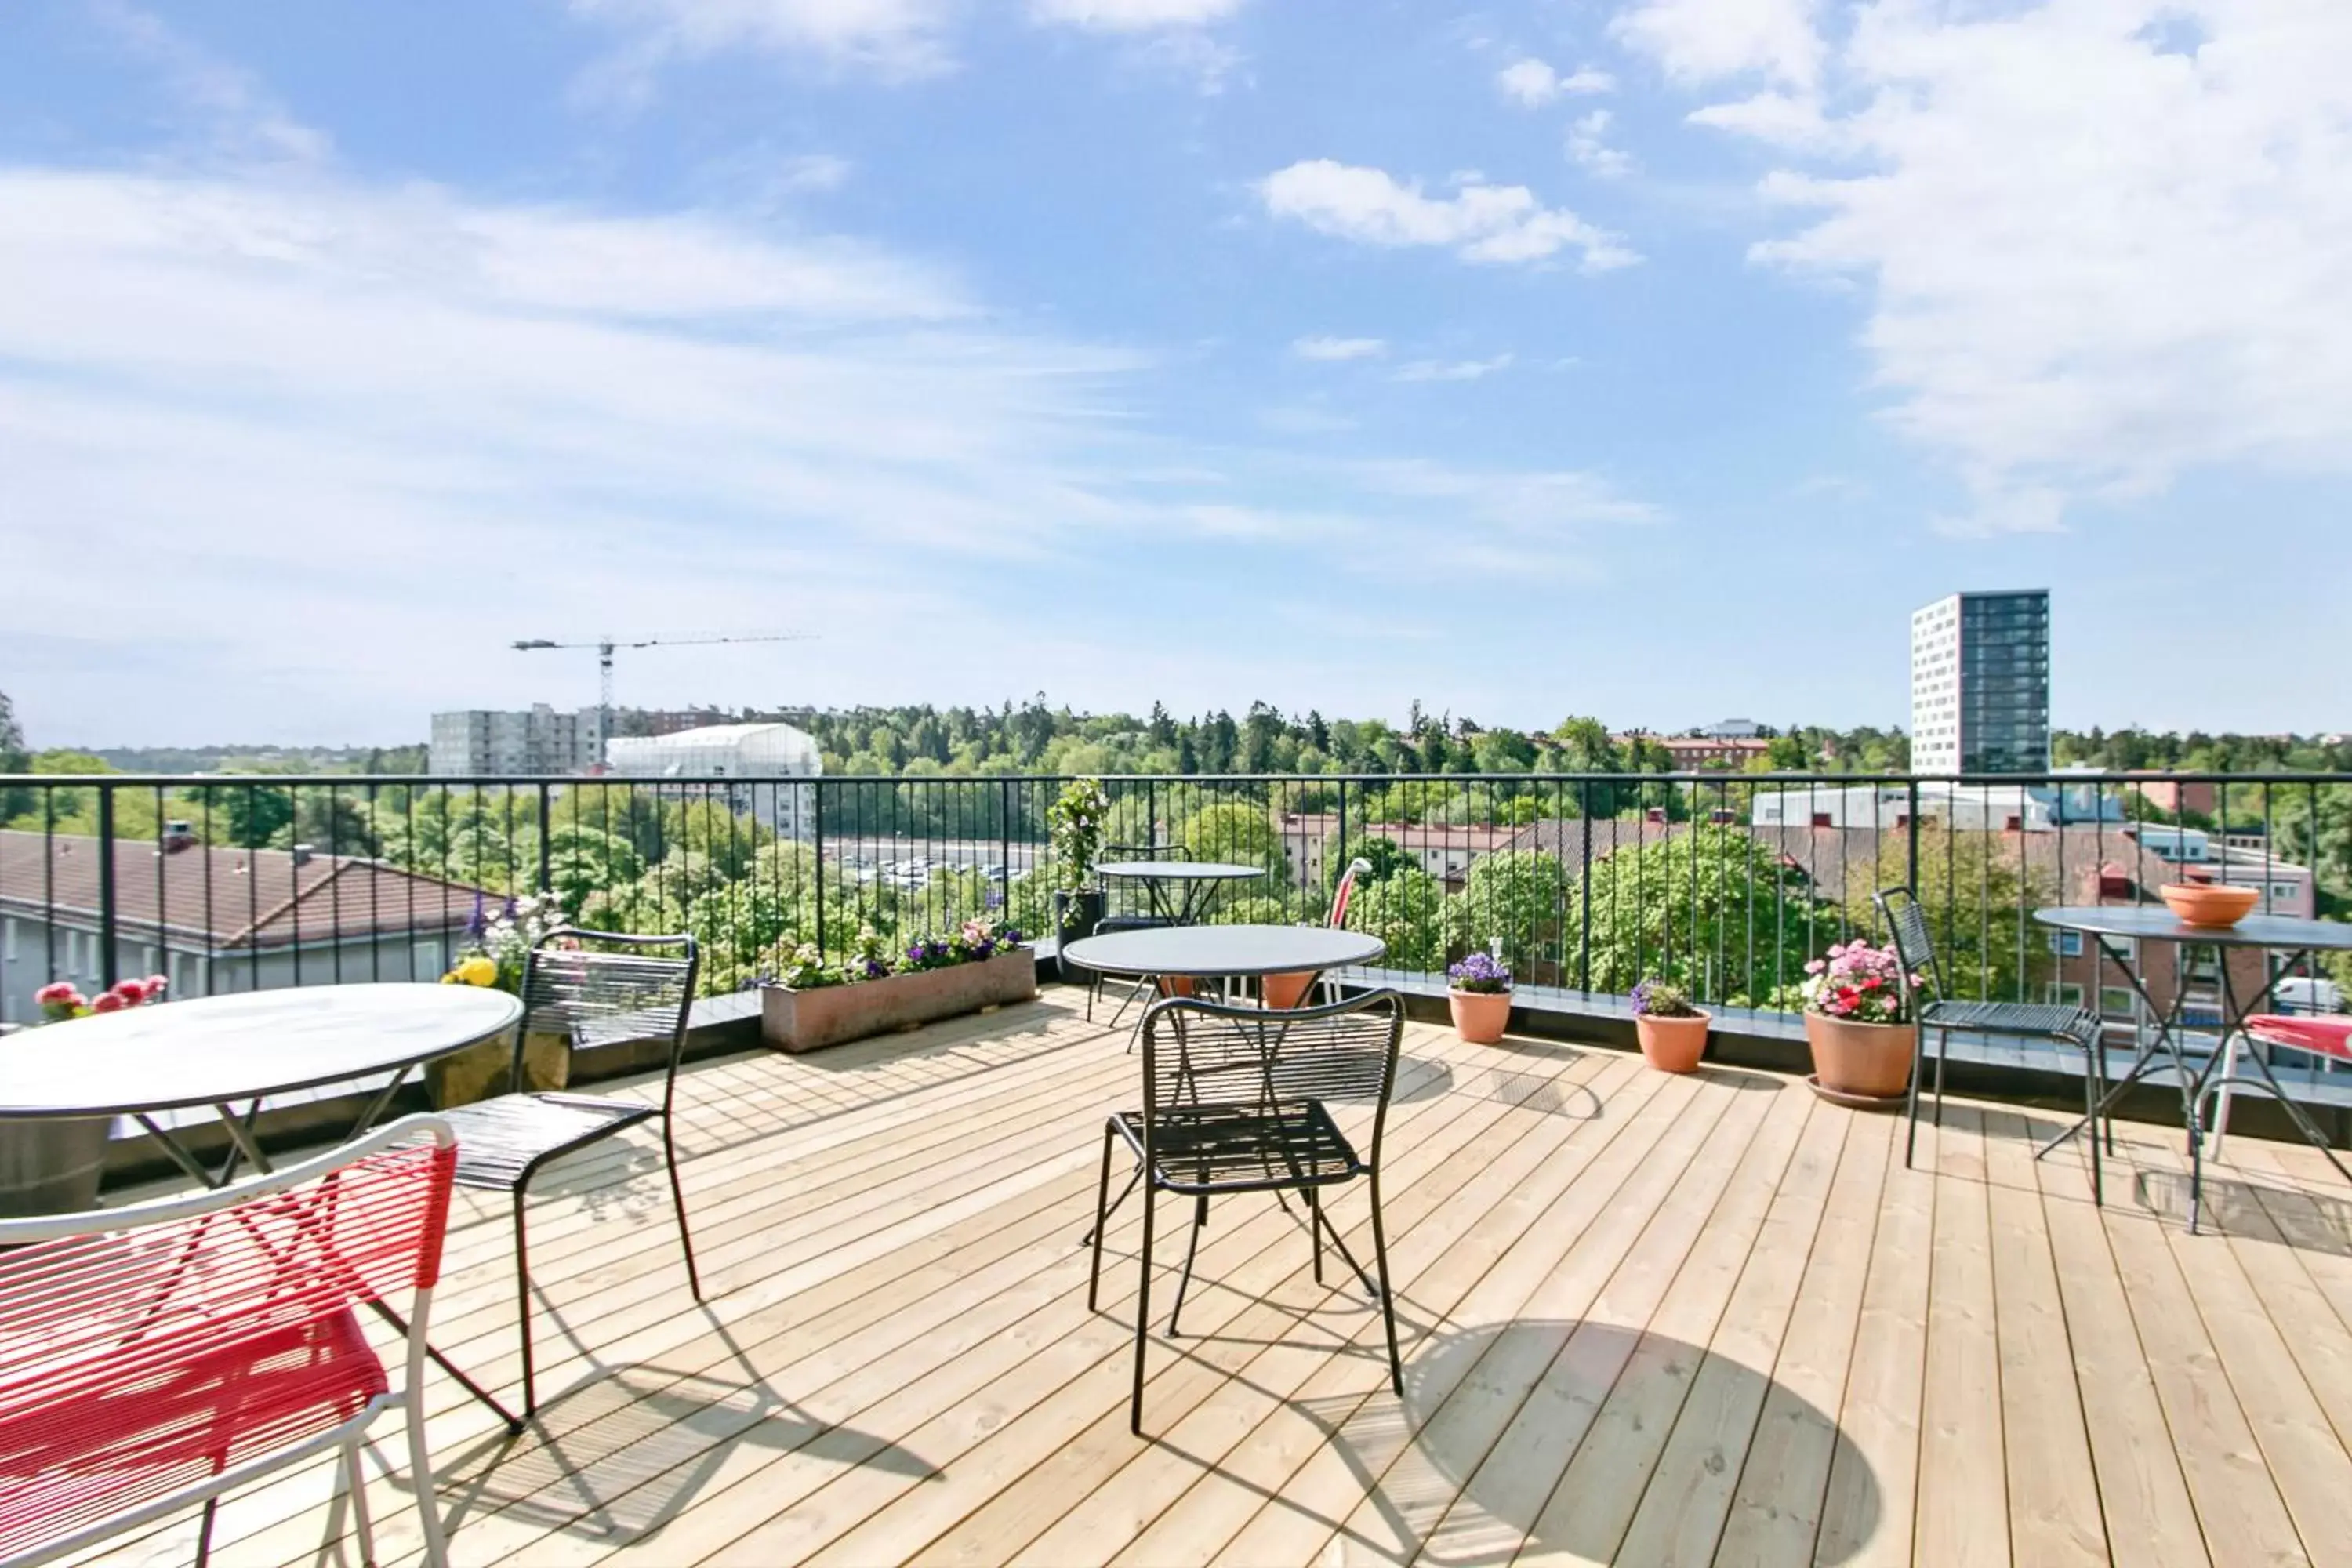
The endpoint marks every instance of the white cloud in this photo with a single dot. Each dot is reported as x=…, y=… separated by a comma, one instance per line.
x=1338, y=348
x=2093, y=259
x=240, y=118
x=1588, y=144
x=1708, y=40
x=1479, y=222
x=1454, y=370
x=1133, y=16
x=1531, y=83
x=361, y=435
x=894, y=38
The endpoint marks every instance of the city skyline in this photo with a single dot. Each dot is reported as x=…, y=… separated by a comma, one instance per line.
x=1648, y=358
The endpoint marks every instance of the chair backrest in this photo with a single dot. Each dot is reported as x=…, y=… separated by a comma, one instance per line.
x=1907, y=924
x=1344, y=891
x=603, y=987
x=1200, y=1054
x=116, y=1327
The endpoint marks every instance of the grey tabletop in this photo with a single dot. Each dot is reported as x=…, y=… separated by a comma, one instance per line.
x=1177, y=870
x=2150, y=923
x=214, y=1049
x=1225, y=949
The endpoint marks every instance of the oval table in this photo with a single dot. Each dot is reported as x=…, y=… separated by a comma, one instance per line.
x=1197, y=952
x=1200, y=880
x=217, y=1051
x=2108, y=925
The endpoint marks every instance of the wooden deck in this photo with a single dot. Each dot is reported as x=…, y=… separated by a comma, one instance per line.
x=1647, y=1320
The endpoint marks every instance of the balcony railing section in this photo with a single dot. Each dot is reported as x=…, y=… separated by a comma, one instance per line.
x=1729, y=883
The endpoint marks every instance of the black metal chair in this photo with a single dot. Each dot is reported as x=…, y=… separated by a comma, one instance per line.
x=1235, y=1100
x=1907, y=921
x=600, y=988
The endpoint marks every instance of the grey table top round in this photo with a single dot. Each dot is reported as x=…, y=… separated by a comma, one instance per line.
x=1177, y=870
x=213, y=1050
x=1223, y=950
x=2153, y=923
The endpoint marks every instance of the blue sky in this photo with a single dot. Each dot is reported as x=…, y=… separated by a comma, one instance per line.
x=1647, y=358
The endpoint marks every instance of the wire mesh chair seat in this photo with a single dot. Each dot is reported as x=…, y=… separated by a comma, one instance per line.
x=1236, y=1099
x=503, y=1141
x=2048, y=1020
x=599, y=988
x=1244, y=1148
x=1914, y=944
x=156, y=1356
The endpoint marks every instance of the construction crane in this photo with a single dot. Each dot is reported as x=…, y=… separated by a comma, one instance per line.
x=604, y=648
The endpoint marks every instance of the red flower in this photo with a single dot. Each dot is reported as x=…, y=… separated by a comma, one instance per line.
x=108, y=1002
x=132, y=992
x=57, y=993
x=155, y=984
x=1872, y=983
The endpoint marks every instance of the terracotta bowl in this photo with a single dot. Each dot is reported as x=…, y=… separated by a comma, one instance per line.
x=2208, y=904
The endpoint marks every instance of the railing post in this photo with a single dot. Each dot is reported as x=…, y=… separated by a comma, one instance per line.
x=818, y=816
x=1584, y=882
x=108, y=965
x=1911, y=851
x=1004, y=851
x=1343, y=827
x=546, y=864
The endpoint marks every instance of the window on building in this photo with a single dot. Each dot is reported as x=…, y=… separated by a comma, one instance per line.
x=2065, y=993
x=425, y=960
x=2116, y=1001
x=2066, y=944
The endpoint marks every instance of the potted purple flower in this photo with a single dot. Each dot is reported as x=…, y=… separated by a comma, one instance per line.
x=1673, y=1033
x=1863, y=1041
x=1480, y=996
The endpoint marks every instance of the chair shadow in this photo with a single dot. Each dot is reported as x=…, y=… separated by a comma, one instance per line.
x=616, y=1457
x=1414, y=1483
x=1740, y=1078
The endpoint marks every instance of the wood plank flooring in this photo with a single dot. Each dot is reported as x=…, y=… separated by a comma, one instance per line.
x=1646, y=1320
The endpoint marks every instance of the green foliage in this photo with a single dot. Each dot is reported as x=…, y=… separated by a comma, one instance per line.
x=1075, y=824
x=1405, y=910
x=1712, y=910
x=1515, y=896
x=1978, y=899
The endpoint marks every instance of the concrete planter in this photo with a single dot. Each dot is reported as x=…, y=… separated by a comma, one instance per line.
x=51, y=1164
x=479, y=1072
x=797, y=1021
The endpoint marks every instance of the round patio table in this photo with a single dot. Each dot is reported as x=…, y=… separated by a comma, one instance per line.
x=1199, y=951
x=218, y=1050
x=2147, y=922
x=1199, y=879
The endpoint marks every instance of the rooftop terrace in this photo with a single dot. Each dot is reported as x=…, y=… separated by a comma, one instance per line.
x=1647, y=1318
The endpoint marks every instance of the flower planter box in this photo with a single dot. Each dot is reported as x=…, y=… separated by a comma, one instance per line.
x=51, y=1164
x=480, y=1072
x=797, y=1021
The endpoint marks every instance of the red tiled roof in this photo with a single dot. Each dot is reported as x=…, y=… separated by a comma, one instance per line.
x=229, y=897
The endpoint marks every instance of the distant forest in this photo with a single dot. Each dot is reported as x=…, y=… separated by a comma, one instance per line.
x=1037, y=738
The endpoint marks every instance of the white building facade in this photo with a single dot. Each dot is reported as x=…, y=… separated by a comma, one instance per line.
x=476, y=742
x=1980, y=684
x=764, y=758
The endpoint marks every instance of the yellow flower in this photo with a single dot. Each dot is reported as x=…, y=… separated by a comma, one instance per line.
x=477, y=971
x=450, y=978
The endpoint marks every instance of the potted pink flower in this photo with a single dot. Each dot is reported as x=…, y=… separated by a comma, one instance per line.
x=1673, y=1033
x=1863, y=1039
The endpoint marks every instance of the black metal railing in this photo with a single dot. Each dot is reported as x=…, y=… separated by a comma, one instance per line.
x=1585, y=883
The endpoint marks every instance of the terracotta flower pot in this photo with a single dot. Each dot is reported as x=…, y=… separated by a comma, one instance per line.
x=1480, y=1016
x=1671, y=1045
x=1869, y=1061
x=1286, y=991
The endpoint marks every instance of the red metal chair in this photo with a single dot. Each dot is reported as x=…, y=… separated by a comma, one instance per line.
x=1290, y=989
x=161, y=1355
x=2321, y=1035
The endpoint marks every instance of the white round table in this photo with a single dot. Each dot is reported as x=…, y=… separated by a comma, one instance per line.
x=218, y=1050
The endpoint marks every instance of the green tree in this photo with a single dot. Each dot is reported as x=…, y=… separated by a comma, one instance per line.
x=16, y=800
x=1979, y=897
x=1712, y=910
x=1405, y=910
x=1517, y=896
